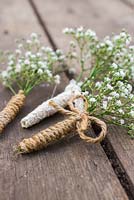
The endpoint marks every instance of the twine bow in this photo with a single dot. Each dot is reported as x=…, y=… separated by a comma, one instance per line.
x=83, y=120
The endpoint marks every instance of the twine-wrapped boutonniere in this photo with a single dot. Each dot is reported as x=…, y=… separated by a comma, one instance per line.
x=105, y=78
x=30, y=65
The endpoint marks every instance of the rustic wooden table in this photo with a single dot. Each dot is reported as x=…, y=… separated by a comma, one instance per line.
x=71, y=170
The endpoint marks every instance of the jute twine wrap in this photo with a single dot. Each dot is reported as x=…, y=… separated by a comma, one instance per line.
x=77, y=120
x=11, y=109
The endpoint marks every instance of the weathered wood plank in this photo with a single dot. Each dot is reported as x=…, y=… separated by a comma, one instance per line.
x=129, y=3
x=123, y=145
x=102, y=16
x=71, y=170
x=16, y=22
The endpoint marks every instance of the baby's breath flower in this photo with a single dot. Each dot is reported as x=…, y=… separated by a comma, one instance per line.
x=66, y=30
x=40, y=71
x=98, y=85
x=32, y=65
x=131, y=96
x=104, y=104
x=39, y=54
x=74, y=54
x=90, y=33
x=4, y=74
x=57, y=79
x=11, y=62
x=121, y=111
x=29, y=42
x=48, y=49
x=122, y=121
x=49, y=73
x=34, y=36
x=86, y=93
x=61, y=58
x=92, y=100
x=109, y=98
x=72, y=43
x=18, y=51
x=33, y=56
x=37, y=42
x=115, y=94
x=20, y=46
x=80, y=83
x=114, y=66
x=107, y=79
x=118, y=103
x=129, y=87
x=28, y=54
x=72, y=70
x=109, y=87
x=59, y=52
x=18, y=68
x=26, y=62
x=109, y=43
x=132, y=113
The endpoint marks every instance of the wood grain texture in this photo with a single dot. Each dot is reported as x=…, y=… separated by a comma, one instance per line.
x=70, y=170
x=17, y=21
x=104, y=17
x=123, y=145
x=129, y=3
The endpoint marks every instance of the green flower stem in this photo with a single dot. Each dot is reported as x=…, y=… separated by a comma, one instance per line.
x=11, y=88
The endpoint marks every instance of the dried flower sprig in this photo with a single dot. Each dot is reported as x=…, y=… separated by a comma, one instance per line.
x=30, y=65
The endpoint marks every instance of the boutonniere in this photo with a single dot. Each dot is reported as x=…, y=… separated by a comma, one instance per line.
x=30, y=65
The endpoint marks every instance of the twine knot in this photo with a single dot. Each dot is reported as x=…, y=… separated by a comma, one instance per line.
x=83, y=119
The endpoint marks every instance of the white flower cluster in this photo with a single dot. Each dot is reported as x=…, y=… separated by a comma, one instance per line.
x=111, y=99
x=31, y=64
x=88, y=51
x=80, y=32
x=81, y=47
x=116, y=51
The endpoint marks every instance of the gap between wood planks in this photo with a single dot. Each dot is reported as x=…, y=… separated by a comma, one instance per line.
x=45, y=29
x=129, y=3
x=106, y=144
